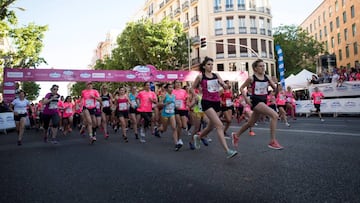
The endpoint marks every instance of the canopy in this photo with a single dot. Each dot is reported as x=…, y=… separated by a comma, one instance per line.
x=300, y=80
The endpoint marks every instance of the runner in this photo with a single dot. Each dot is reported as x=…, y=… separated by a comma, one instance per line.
x=106, y=98
x=181, y=109
x=133, y=113
x=51, y=113
x=290, y=102
x=122, y=103
x=89, y=97
x=145, y=99
x=316, y=96
x=281, y=102
x=68, y=114
x=211, y=103
x=227, y=106
x=19, y=107
x=259, y=83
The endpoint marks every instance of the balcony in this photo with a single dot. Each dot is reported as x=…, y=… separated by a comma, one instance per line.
x=195, y=61
x=253, y=30
x=242, y=30
x=177, y=11
x=193, y=1
x=195, y=40
x=262, y=31
x=241, y=6
x=195, y=19
x=229, y=7
x=186, y=25
x=185, y=5
x=217, y=9
x=218, y=31
x=162, y=4
x=230, y=30
x=244, y=54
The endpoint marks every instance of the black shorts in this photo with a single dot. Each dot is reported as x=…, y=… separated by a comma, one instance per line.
x=256, y=100
x=107, y=111
x=283, y=106
x=205, y=104
x=133, y=110
x=19, y=116
x=226, y=108
x=181, y=112
x=317, y=107
x=55, y=120
x=124, y=114
x=91, y=111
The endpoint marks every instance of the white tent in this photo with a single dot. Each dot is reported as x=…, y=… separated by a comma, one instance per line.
x=300, y=80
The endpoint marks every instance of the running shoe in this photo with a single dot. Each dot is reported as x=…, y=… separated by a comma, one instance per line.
x=322, y=120
x=177, y=147
x=275, y=145
x=157, y=133
x=106, y=136
x=136, y=136
x=92, y=139
x=54, y=141
x=197, y=141
x=231, y=153
x=19, y=143
x=204, y=141
x=226, y=136
x=251, y=133
x=180, y=142
x=125, y=139
x=191, y=146
x=287, y=124
x=235, y=140
x=45, y=138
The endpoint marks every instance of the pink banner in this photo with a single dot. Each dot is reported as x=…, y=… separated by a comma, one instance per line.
x=138, y=74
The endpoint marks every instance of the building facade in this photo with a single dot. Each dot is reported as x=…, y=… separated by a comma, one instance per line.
x=237, y=32
x=335, y=23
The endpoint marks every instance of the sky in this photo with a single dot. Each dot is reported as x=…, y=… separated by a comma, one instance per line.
x=77, y=26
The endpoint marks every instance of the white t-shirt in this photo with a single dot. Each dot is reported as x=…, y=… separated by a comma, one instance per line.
x=20, y=106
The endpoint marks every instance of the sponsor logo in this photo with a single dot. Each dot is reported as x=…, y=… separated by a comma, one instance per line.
x=28, y=73
x=342, y=88
x=142, y=69
x=160, y=76
x=9, y=118
x=1, y=120
x=172, y=76
x=335, y=104
x=85, y=75
x=9, y=91
x=15, y=74
x=9, y=84
x=350, y=104
x=355, y=87
x=68, y=73
x=130, y=76
x=55, y=75
x=328, y=89
x=98, y=75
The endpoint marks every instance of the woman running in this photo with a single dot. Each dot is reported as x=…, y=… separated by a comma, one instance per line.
x=210, y=103
x=259, y=83
x=51, y=113
x=106, y=101
x=133, y=113
x=122, y=103
x=19, y=107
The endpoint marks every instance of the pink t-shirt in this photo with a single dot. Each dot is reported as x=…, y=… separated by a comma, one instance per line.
x=281, y=98
x=78, y=106
x=145, y=102
x=68, y=109
x=87, y=97
x=180, y=98
x=316, y=96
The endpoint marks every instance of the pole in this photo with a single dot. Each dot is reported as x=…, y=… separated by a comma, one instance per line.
x=189, y=52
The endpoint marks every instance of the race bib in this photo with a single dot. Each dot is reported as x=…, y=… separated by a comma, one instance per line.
x=123, y=106
x=178, y=104
x=133, y=103
x=53, y=105
x=213, y=86
x=170, y=108
x=261, y=88
x=106, y=103
x=89, y=103
x=68, y=110
x=228, y=102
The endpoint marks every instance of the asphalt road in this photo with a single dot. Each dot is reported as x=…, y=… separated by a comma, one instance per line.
x=320, y=163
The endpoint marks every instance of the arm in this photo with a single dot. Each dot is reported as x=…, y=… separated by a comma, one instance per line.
x=221, y=82
x=242, y=89
x=196, y=83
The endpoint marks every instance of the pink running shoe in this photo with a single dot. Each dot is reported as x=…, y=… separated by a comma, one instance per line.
x=235, y=140
x=252, y=133
x=275, y=145
x=106, y=136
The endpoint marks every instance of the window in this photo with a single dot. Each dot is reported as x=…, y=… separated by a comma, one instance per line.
x=326, y=46
x=271, y=50
x=347, y=52
x=346, y=35
x=343, y=3
x=344, y=17
x=325, y=31
x=338, y=38
x=336, y=5
x=242, y=25
x=330, y=11
x=252, y=21
x=319, y=21
x=263, y=48
x=355, y=48
x=229, y=22
x=320, y=34
x=218, y=23
x=254, y=46
x=353, y=27
x=229, y=5
x=219, y=49
x=324, y=16
x=352, y=11
x=331, y=26
x=252, y=5
x=337, y=22
x=241, y=4
x=231, y=48
x=217, y=5
x=220, y=67
x=332, y=42
x=340, y=55
x=243, y=49
x=232, y=66
x=314, y=24
x=310, y=28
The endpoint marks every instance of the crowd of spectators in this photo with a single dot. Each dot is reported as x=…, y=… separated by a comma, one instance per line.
x=338, y=76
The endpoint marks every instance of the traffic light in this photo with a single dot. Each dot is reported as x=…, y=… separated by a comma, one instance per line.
x=203, y=42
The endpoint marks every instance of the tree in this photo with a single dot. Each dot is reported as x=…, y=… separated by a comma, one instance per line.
x=299, y=48
x=32, y=90
x=163, y=45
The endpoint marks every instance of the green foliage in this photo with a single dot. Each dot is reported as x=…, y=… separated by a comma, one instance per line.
x=299, y=48
x=32, y=90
